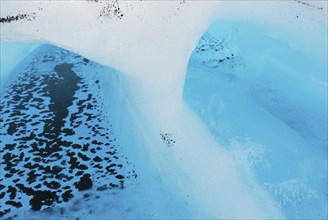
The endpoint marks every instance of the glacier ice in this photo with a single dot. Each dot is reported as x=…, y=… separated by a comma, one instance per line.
x=229, y=126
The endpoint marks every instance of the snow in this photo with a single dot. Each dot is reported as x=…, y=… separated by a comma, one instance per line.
x=230, y=125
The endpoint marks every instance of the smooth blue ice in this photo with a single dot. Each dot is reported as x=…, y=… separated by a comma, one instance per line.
x=266, y=103
x=11, y=55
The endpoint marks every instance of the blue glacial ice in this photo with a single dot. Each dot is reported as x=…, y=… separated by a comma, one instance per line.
x=164, y=112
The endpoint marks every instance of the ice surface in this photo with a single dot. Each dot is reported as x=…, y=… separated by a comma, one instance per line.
x=11, y=55
x=265, y=111
x=252, y=145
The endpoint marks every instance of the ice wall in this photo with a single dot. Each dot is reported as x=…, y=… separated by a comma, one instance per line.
x=285, y=50
x=265, y=109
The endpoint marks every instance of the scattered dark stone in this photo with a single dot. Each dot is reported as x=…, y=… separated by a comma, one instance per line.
x=82, y=167
x=84, y=183
x=30, y=156
x=79, y=173
x=119, y=177
x=12, y=128
x=68, y=131
x=38, y=186
x=42, y=198
x=2, y=213
x=15, y=204
x=83, y=157
x=112, y=185
x=102, y=188
x=52, y=185
x=67, y=195
x=97, y=159
x=167, y=138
